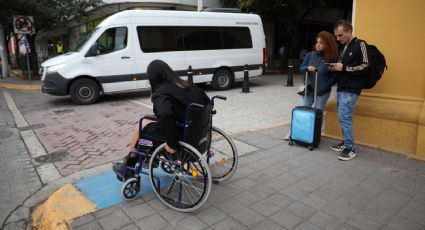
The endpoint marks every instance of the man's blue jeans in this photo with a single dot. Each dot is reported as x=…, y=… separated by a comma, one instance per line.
x=320, y=101
x=346, y=103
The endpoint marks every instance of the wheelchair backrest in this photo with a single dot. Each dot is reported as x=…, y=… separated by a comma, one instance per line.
x=197, y=131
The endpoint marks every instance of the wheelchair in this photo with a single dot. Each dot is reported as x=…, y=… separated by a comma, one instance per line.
x=183, y=180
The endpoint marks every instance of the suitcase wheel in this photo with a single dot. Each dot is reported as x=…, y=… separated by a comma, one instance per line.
x=310, y=148
x=290, y=143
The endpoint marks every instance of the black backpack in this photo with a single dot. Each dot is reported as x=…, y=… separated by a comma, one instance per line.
x=377, y=66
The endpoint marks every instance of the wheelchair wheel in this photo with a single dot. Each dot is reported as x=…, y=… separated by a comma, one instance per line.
x=223, y=159
x=182, y=180
x=130, y=189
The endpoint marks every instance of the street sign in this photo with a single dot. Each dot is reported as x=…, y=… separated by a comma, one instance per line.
x=23, y=24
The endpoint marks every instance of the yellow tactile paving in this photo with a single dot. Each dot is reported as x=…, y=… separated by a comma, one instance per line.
x=60, y=208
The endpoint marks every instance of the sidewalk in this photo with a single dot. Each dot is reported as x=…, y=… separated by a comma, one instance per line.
x=16, y=81
x=276, y=186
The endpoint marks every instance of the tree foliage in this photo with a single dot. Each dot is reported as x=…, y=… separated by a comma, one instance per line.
x=48, y=14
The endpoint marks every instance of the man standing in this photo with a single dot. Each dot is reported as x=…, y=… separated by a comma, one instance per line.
x=350, y=74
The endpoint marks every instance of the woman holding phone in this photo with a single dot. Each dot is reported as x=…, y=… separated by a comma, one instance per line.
x=325, y=51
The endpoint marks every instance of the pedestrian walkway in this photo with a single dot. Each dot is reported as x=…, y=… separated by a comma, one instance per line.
x=18, y=177
x=17, y=81
x=276, y=186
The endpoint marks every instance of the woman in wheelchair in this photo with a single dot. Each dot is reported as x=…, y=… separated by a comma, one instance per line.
x=170, y=96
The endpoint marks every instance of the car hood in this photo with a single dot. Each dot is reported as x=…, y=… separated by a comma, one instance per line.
x=59, y=59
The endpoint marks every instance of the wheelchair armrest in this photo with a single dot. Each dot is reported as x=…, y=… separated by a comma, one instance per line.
x=196, y=105
x=150, y=117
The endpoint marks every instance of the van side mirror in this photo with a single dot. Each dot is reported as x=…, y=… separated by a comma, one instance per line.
x=93, y=51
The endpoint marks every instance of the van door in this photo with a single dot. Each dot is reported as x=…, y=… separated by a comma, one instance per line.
x=113, y=66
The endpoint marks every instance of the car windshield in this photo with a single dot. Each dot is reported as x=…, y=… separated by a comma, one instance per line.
x=83, y=41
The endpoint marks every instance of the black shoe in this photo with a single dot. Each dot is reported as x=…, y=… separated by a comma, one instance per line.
x=338, y=147
x=119, y=168
x=347, y=154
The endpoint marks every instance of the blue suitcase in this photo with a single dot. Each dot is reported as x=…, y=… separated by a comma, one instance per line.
x=306, y=124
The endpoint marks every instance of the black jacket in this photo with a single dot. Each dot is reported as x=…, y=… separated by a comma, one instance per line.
x=169, y=105
x=355, y=63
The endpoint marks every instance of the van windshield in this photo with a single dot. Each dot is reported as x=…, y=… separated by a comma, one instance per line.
x=83, y=41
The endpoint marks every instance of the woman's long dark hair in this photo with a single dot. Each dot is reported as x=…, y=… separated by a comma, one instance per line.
x=159, y=73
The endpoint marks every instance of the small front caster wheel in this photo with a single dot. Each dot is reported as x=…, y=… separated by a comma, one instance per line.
x=130, y=189
x=291, y=143
x=310, y=148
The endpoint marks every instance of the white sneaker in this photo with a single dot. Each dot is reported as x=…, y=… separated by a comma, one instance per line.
x=287, y=137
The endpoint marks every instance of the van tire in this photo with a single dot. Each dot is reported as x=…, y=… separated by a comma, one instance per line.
x=84, y=91
x=222, y=80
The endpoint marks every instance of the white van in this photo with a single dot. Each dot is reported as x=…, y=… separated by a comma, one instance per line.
x=115, y=55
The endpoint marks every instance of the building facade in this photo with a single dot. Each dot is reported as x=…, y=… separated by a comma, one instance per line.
x=390, y=116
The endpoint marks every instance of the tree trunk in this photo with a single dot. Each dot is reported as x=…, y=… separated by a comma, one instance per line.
x=3, y=54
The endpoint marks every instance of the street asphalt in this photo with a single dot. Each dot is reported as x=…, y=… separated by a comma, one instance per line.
x=276, y=186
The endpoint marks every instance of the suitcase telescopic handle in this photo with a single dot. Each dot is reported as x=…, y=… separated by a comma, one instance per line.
x=315, y=87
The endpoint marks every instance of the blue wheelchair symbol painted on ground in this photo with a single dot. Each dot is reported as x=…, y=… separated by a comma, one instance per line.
x=105, y=189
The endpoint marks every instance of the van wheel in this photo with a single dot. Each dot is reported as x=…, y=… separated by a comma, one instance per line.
x=222, y=80
x=84, y=91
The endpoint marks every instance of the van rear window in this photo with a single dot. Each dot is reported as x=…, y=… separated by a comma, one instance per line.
x=179, y=38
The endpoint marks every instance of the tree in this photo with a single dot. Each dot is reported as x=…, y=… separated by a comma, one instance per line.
x=48, y=14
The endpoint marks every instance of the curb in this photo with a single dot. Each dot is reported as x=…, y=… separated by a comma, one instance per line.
x=20, y=87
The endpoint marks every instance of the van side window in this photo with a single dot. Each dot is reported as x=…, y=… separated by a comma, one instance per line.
x=112, y=39
x=202, y=38
x=160, y=39
x=236, y=37
x=176, y=38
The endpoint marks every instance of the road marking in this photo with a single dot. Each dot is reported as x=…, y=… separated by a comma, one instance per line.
x=47, y=172
x=142, y=104
x=19, y=119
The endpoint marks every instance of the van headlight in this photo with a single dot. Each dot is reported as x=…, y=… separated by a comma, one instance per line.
x=55, y=68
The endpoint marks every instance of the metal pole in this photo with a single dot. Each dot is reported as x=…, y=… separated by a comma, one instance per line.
x=290, y=79
x=245, y=85
x=28, y=58
x=3, y=54
x=190, y=75
x=200, y=5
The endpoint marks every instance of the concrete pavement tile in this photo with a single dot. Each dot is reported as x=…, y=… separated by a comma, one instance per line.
x=325, y=221
x=153, y=222
x=364, y=222
x=396, y=223
x=89, y=226
x=191, y=223
x=340, y=209
x=128, y=204
x=140, y=211
x=211, y=216
x=247, y=198
x=262, y=190
x=294, y=193
x=130, y=227
x=413, y=215
x=248, y=217
x=82, y=220
x=19, y=214
x=301, y=210
x=172, y=216
x=106, y=211
x=280, y=200
x=286, y=219
x=157, y=205
x=268, y=225
x=307, y=185
x=229, y=223
x=116, y=220
x=230, y=206
x=314, y=201
x=308, y=226
x=265, y=207
x=15, y=226
x=244, y=183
